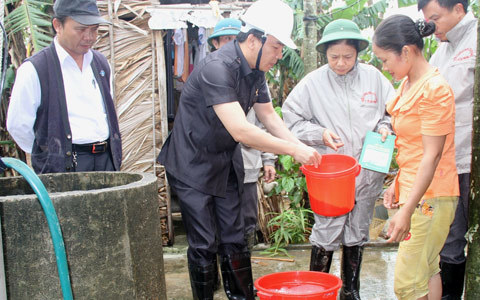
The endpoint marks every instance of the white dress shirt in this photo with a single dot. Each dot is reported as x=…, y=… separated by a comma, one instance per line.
x=86, y=111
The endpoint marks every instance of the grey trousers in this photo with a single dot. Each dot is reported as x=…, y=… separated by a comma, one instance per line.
x=250, y=206
x=453, y=251
x=351, y=229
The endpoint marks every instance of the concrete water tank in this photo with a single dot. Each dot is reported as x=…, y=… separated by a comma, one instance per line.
x=111, y=227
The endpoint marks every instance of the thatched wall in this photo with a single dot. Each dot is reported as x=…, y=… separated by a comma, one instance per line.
x=128, y=47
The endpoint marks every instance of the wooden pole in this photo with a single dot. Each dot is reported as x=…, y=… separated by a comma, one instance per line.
x=162, y=83
x=154, y=137
x=273, y=258
x=162, y=93
x=112, y=47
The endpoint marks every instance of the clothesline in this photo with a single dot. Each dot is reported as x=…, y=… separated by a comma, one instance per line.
x=176, y=16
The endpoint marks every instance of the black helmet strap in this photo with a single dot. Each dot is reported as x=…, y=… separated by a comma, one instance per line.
x=259, y=55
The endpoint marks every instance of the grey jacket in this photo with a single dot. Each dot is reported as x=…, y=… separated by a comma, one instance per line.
x=456, y=61
x=350, y=105
x=253, y=159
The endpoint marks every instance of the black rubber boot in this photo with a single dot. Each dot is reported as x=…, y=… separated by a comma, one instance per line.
x=351, y=263
x=237, y=276
x=320, y=259
x=452, y=280
x=202, y=281
x=216, y=275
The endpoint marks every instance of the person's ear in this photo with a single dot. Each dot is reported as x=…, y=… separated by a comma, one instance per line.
x=405, y=52
x=458, y=9
x=251, y=41
x=215, y=43
x=57, y=25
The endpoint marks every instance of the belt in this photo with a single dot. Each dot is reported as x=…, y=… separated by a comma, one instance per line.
x=97, y=147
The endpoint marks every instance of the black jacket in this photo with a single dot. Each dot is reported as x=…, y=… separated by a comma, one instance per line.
x=200, y=152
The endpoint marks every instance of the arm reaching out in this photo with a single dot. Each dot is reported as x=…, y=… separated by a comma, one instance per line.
x=282, y=142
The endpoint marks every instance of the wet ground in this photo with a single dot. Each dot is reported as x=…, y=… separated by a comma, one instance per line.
x=376, y=275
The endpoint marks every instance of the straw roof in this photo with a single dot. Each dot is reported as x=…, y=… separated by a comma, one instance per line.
x=128, y=47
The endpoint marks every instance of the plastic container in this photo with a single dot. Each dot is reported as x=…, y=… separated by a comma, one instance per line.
x=331, y=186
x=298, y=285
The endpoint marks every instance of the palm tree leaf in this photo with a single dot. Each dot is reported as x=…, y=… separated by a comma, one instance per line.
x=30, y=19
x=349, y=10
x=294, y=62
x=299, y=28
x=323, y=20
x=405, y=3
x=369, y=16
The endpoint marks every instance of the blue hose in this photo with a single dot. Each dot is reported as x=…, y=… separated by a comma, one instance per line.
x=52, y=221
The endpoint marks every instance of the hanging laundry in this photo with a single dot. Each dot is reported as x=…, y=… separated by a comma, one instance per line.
x=202, y=45
x=179, y=40
x=193, y=49
x=181, y=63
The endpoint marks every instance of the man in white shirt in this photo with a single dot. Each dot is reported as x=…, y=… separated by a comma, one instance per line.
x=61, y=109
x=455, y=58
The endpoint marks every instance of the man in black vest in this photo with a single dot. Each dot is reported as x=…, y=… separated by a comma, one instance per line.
x=61, y=109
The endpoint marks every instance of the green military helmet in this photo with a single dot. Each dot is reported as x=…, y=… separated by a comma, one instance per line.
x=341, y=29
x=226, y=26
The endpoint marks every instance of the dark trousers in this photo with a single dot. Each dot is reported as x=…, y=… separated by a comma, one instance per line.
x=88, y=162
x=453, y=250
x=205, y=215
x=250, y=206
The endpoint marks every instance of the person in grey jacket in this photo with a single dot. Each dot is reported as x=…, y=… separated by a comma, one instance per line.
x=332, y=109
x=253, y=161
x=456, y=28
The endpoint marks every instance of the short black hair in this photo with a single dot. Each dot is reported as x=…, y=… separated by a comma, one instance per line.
x=242, y=36
x=399, y=30
x=350, y=42
x=60, y=19
x=448, y=4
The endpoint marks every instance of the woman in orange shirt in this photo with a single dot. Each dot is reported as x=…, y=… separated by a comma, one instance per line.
x=426, y=186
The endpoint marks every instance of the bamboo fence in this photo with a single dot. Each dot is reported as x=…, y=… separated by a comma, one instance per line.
x=127, y=44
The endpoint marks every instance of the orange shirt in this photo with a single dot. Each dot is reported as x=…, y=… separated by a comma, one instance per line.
x=427, y=108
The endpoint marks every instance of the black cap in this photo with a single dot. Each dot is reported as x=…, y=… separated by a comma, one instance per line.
x=82, y=11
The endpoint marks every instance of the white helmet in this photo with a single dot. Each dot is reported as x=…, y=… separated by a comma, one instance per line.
x=273, y=17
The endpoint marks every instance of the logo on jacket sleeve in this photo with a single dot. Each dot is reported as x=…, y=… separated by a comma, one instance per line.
x=369, y=98
x=464, y=54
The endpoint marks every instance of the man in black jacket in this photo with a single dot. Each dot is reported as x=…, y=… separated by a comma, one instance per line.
x=203, y=163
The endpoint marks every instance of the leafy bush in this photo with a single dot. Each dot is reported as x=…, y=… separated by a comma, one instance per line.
x=293, y=223
x=291, y=226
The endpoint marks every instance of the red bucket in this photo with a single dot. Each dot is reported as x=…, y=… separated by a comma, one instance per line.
x=331, y=186
x=298, y=285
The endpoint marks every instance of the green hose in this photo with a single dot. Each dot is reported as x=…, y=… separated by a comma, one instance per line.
x=52, y=221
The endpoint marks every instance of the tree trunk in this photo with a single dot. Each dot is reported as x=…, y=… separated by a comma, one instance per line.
x=310, y=40
x=472, y=285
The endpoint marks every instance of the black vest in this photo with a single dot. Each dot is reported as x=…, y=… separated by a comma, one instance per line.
x=52, y=146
